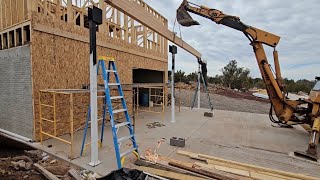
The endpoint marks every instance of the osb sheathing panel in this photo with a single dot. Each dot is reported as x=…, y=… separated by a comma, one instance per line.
x=63, y=63
x=80, y=107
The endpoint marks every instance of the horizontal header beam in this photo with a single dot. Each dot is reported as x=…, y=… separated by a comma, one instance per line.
x=139, y=13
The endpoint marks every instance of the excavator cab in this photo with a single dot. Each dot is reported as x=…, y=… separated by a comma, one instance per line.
x=317, y=85
x=184, y=17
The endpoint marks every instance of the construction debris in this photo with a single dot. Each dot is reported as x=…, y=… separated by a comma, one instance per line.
x=154, y=125
x=16, y=163
x=45, y=172
x=21, y=165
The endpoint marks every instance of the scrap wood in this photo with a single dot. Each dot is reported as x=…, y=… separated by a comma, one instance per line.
x=248, y=173
x=201, y=171
x=225, y=169
x=191, y=155
x=168, y=174
x=242, y=168
x=45, y=172
x=75, y=174
x=229, y=163
x=167, y=160
x=163, y=166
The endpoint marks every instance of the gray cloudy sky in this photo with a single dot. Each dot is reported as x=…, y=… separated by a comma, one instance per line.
x=295, y=21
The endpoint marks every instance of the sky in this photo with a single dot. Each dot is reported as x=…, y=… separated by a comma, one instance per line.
x=295, y=21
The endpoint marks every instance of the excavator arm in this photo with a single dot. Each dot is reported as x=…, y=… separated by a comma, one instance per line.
x=283, y=107
x=287, y=111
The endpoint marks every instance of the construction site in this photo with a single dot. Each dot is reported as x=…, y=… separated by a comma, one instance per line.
x=87, y=91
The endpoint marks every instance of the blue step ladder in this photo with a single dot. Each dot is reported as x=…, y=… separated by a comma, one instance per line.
x=108, y=99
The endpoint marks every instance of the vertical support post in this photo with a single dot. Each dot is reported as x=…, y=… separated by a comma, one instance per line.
x=180, y=98
x=15, y=38
x=137, y=100
x=54, y=114
x=149, y=99
x=40, y=116
x=69, y=12
x=145, y=39
x=1, y=11
x=173, y=51
x=102, y=5
x=71, y=125
x=32, y=6
x=58, y=10
x=132, y=32
x=125, y=27
x=199, y=87
x=134, y=109
x=45, y=7
x=95, y=18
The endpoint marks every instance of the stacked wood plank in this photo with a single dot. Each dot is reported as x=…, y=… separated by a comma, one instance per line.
x=210, y=167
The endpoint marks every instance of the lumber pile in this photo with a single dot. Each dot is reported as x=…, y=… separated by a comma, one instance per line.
x=210, y=167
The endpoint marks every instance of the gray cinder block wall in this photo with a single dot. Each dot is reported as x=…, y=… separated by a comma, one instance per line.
x=16, y=114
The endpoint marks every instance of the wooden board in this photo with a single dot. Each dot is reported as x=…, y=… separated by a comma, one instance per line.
x=45, y=172
x=243, y=169
x=201, y=171
x=138, y=12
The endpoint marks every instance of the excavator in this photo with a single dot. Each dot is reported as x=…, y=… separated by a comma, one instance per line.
x=288, y=112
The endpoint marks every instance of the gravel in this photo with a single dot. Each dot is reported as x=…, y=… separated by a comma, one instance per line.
x=222, y=102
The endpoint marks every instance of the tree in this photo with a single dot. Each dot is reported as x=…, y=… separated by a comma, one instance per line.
x=192, y=76
x=235, y=77
x=179, y=76
x=300, y=85
x=215, y=80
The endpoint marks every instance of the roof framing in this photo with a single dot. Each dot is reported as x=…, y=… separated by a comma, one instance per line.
x=142, y=13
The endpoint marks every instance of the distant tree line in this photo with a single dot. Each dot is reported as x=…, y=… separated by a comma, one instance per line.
x=236, y=77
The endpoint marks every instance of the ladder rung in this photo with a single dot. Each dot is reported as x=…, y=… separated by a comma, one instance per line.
x=114, y=84
x=116, y=97
x=118, y=110
x=124, y=138
x=127, y=152
x=101, y=96
x=122, y=124
x=111, y=71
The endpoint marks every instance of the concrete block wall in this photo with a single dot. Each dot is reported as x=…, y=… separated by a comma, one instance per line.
x=16, y=109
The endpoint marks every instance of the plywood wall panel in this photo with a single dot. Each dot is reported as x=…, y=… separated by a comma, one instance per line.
x=63, y=63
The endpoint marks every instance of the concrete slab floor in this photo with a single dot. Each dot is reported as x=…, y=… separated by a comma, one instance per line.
x=238, y=136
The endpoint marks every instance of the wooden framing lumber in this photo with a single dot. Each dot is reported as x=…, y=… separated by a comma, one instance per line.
x=138, y=12
x=58, y=32
x=168, y=174
x=243, y=169
x=164, y=166
x=201, y=171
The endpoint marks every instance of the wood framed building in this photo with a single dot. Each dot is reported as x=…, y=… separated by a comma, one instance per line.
x=44, y=44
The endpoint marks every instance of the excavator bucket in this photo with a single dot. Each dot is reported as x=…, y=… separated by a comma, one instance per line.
x=306, y=155
x=184, y=17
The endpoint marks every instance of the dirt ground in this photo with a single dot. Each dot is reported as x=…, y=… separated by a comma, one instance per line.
x=17, y=162
x=225, y=100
